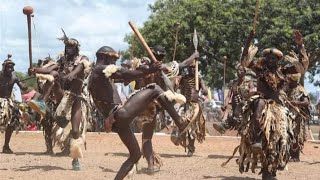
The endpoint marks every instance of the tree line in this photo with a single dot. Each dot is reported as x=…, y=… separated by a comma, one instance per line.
x=223, y=26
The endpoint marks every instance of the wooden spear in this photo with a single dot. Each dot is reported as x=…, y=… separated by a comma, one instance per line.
x=195, y=44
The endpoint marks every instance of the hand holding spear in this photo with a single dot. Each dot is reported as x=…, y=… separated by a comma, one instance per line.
x=195, y=44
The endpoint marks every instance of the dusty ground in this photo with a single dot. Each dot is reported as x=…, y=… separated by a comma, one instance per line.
x=106, y=153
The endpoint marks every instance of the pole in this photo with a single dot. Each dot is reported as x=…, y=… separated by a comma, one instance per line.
x=153, y=58
x=175, y=41
x=255, y=16
x=143, y=42
x=28, y=10
x=224, y=77
x=195, y=44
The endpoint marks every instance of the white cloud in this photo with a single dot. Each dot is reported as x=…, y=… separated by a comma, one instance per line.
x=94, y=23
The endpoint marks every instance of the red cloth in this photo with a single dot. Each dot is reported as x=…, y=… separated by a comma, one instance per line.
x=32, y=127
x=28, y=96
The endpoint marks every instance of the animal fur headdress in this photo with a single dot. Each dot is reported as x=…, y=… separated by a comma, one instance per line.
x=274, y=51
x=69, y=41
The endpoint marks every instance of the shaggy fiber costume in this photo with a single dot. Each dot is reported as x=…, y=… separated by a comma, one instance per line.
x=192, y=113
x=277, y=133
x=61, y=136
x=6, y=109
x=299, y=123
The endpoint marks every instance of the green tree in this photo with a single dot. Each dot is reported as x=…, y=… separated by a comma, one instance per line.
x=222, y=28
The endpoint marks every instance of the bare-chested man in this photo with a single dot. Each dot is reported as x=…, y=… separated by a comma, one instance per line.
x=192, y=108
x=119, y=116
x=149, y=115
x=7, y=79
x=72, y=107
x=45, y=103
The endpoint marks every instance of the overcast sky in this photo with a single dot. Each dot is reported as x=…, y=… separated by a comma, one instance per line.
x=94, y=23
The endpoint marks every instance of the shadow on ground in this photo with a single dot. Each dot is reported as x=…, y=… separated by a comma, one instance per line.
x=218, y=156
x=310, y=163
x=176, y=155
x=117, y=154
x=228, y=177
x=107, y=169
x=57, y=155
x=44, y=168
x=160, y=154
x=146, y=171
x=33, y=154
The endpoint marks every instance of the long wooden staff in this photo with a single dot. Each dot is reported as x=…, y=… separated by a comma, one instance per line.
x=175, y=41
x=153, y=58
x=143, y=42
x=28, y=10
x=256, y=12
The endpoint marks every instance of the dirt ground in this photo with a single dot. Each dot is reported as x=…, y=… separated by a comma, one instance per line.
x=105, y=153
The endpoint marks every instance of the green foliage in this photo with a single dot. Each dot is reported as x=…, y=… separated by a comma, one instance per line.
x=30, y=83
x=222, y=28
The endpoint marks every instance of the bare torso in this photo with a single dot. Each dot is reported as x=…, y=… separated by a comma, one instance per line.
x=6, y=84
x=75, y=85
x=103, y=91
x=188, y=88
x=151, y=78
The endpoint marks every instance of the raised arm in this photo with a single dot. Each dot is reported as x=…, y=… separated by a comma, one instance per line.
x=122, y=74
x=245, y=59
x=21, y=85
x=187, y=62
x=303, y=57
x=46, y=70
